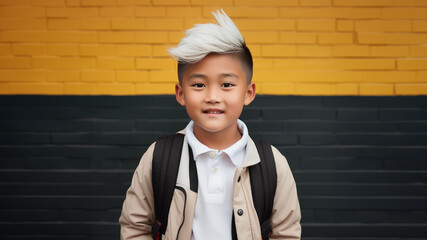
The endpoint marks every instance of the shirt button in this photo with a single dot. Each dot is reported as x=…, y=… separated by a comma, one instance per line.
x=240, y=212
x=212, y=154
x=214, y=170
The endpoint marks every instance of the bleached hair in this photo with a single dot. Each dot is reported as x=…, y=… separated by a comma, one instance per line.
x=202, y=39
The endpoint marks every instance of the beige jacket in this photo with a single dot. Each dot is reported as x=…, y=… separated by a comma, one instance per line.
x=138, y=208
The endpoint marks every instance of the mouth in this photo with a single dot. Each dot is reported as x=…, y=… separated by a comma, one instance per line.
x=213, y=111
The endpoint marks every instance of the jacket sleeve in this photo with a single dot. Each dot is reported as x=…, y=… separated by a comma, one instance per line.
x=286, y=215
x=138, y=208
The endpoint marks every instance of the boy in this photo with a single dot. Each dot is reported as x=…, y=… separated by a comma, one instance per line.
x=214, y=72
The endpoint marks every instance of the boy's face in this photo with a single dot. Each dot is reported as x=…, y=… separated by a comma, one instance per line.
x=214, y=92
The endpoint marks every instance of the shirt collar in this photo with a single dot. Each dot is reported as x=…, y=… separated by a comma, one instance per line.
x=233, y=151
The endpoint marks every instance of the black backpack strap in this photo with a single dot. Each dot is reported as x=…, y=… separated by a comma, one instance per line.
x=263, y=184
x=165, y=165
x=194, y=179
x=233, y=228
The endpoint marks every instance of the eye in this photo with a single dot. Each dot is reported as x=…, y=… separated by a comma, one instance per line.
x=198, y=85
x=227, y=85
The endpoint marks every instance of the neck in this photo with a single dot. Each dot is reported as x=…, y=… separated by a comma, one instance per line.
x=218, y=140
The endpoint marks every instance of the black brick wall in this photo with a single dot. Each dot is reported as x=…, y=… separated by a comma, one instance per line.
x=360, y=162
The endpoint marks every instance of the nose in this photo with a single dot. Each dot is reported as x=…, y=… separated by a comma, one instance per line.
x=213, y=95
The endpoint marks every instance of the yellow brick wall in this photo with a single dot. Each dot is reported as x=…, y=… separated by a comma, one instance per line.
x=300, y=47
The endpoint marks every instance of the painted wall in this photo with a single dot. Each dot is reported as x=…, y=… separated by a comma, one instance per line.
x=360, y=163
x=301, y=47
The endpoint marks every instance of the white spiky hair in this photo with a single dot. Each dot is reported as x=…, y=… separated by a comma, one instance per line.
x=203, y=39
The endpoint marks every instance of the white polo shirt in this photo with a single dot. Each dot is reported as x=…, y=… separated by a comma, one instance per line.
x=215, y=170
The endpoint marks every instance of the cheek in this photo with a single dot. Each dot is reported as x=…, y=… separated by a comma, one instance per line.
x=236, y=102
x=191, y=103
x=241, y=97
x=191, y=99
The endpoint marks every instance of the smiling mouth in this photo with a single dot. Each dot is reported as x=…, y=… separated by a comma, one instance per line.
x=213, y=111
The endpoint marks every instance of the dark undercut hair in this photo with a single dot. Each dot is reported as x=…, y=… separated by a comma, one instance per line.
x=244, y=56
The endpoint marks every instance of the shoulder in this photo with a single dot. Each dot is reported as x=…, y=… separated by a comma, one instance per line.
x=282, y=165
x=146, y=160
x=150, y=150
x=147, y=157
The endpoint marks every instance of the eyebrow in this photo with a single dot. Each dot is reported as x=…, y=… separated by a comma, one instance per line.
x=229, y=75
x=199, y=75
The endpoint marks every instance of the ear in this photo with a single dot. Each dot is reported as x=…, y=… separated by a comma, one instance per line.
x=250, y=93
x=179, y=93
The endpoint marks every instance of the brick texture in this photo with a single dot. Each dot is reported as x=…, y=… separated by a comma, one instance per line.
x=338, y=38
x=359, y=162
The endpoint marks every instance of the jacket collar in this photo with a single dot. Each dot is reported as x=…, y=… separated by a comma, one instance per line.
x=251, y=156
